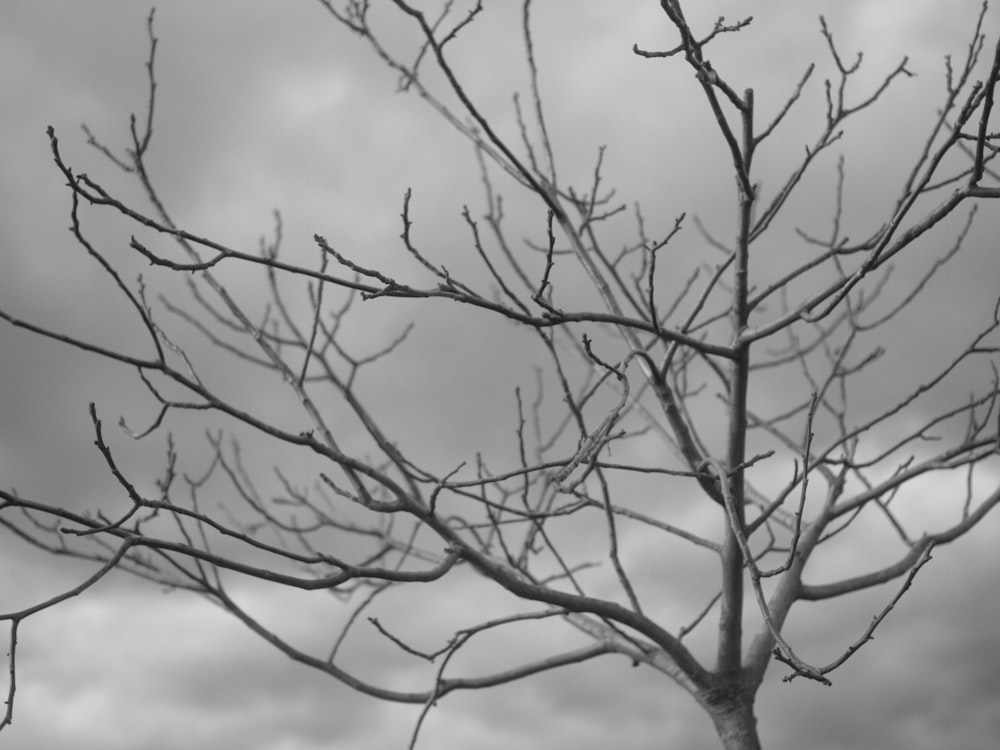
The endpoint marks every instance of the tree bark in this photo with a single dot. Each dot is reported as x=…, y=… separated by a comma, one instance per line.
x=735, y=723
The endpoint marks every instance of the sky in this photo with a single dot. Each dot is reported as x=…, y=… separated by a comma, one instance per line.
x=265, y=105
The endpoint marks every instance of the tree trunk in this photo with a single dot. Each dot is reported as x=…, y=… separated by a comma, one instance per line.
x=735, y=723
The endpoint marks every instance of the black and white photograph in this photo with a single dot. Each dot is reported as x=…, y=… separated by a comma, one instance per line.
x=500, y=375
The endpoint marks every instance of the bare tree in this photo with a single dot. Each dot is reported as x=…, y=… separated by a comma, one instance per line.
x=637, y=343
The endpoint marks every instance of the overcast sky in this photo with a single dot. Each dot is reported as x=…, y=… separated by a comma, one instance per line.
x=265, y=105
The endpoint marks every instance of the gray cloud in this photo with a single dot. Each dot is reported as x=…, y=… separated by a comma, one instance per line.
x=264, y=107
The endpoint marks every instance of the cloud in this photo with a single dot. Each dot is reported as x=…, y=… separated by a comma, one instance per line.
x=261, y=109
